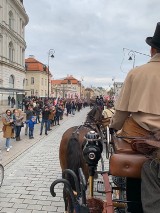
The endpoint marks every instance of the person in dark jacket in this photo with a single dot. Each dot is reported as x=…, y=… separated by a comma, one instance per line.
x=73, y=108
x=37, y=111
x=9, y=100
x=13, y=101
x=45, y=117
x=59, y=111
x=68, y=107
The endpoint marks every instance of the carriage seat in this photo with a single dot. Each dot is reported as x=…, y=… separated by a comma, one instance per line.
x=126, y=165
x=125, y=162
x=121, y=146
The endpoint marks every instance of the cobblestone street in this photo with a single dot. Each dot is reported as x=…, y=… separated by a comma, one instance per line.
x=28, y=176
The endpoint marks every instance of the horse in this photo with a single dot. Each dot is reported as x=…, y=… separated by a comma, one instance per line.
x=70, y=151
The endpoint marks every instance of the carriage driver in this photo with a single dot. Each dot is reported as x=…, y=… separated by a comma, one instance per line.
x=138, y=114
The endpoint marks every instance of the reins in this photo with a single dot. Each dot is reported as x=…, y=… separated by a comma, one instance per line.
x=91, y=123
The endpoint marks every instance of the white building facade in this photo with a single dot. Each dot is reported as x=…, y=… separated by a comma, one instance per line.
x=13, y=20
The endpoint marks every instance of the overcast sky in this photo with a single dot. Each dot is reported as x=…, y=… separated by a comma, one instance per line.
x=90, y=37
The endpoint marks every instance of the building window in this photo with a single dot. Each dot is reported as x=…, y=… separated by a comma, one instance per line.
x=11, y=20
x=11, y=81
x=23, y=53
x=32, y=80
x=23, y=25
x=45, y=82
x=11, y=52
x=32, y=91
x=42, y=81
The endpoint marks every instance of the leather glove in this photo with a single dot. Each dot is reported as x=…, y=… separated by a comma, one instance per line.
x=112, y=131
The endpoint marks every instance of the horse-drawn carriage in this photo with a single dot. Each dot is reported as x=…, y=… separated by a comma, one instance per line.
x=80, y=151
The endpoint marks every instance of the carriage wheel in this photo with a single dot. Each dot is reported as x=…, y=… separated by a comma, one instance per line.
x=109, y=150
x=1, y=174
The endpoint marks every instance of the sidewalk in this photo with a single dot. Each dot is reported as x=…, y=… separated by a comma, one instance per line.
x=18, y=147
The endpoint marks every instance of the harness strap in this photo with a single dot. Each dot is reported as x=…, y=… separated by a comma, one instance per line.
x=109, y=204
x=111, y=111
x=77, y=129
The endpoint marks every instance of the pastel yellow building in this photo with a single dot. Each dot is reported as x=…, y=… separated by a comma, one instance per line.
x=38, y=79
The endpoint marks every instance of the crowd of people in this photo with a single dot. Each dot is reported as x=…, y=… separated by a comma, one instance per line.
x=47, y=112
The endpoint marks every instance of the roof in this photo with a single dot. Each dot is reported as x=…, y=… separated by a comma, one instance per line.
x=34, y=65
x=68, y=80
x=56, y=81
x=89, y=89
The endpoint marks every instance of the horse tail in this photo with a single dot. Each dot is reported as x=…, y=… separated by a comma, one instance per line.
x=74, y=158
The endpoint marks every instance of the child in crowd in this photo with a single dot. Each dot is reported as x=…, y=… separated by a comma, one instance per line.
x=31, y=124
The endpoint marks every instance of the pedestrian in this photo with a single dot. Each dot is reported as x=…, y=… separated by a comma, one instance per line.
x=79, y=106
x=51, y=117
x=45, y=117
x=54, y=115
x=26, y=105
x=9, y=100
x=58, y=114
x=68, y=107
x=138, y=115
x=8, y=128
x=97, y=100
x=73, y=108
x=31, y=122
x=13, y=101
x=29, y=114
x=62, y=107
x=37, y=111
x=18, y=122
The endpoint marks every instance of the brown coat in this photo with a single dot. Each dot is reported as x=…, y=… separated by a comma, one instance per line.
x=141, y=88
x=52, y=114
x=7, y=129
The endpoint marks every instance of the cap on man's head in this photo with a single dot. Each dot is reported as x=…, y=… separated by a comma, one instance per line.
x=155, y=40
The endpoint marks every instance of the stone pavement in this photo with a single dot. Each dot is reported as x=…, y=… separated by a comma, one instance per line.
x=30, y=168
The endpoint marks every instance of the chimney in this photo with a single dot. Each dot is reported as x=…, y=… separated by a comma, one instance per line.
x=31, y=56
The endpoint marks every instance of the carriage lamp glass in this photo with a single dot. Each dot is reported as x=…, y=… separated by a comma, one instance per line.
x=92, y=155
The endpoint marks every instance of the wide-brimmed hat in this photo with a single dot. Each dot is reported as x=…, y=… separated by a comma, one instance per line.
x=155, y=40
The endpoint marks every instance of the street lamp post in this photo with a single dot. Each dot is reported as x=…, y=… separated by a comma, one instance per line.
x=56, y=90
x=80, y=82
x=50, y=55
x=132, y=55
x=114, y=85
